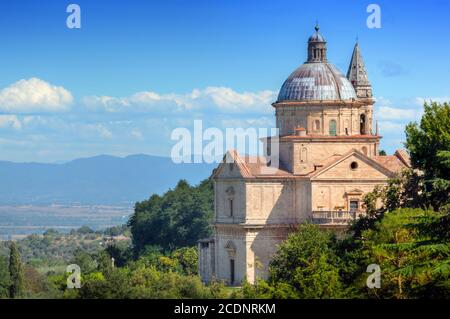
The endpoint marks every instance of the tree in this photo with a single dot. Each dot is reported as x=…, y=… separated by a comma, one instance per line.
x=84, y=260
x=16, y=287
x=179, y=218
x=4, y=277
x=429, y=146
x=414, y=263
x=307, y=262
x=85, y=230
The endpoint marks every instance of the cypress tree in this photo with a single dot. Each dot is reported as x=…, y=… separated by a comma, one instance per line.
x=15, y=272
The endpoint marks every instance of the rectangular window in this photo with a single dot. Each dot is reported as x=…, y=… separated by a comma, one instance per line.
x=231, y=208
x=231, y=271
x=354, y=205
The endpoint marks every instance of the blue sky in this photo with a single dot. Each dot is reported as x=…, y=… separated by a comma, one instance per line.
x=138, y=69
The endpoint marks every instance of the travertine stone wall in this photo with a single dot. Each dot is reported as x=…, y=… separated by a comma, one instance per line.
x=224, y=235
x=329, y=196
x=346, y=117
x=303, y=154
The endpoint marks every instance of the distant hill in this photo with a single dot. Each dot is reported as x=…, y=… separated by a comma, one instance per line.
x=97, y=180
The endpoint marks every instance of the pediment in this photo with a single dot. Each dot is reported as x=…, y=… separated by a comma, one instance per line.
x=231, y=166
x=351, y=166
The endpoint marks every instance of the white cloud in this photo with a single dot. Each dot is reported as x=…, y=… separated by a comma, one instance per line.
x=386, y=110
x=211, y=98
x=391, y=113
x=262, y=122
x=34, y=95
x=137, y=134
x=391, y=128
x=10, y=121
x=87, y=131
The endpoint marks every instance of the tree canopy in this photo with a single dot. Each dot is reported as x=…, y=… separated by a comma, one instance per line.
x=179, y=218
x=428, y=143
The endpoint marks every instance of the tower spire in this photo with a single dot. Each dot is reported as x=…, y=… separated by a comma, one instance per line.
x=357, y=74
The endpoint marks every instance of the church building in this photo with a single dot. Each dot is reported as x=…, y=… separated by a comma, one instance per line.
x=329, y=159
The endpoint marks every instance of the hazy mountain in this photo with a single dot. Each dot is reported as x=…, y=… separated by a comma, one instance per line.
x=97, y=180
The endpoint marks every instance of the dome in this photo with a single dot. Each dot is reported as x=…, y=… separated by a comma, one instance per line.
x=316, y=81
x=316, y=37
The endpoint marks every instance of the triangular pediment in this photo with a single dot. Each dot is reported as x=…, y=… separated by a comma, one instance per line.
x=232, y=166
x=353, y=166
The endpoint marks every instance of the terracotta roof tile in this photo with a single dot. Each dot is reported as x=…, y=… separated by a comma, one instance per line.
x=391, y=162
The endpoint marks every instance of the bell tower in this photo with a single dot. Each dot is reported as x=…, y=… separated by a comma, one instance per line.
x=357, y=75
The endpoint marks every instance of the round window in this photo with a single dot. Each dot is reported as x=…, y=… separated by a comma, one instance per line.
x=354, y=165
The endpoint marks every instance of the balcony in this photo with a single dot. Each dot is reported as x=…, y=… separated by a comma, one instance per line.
x=334, y=218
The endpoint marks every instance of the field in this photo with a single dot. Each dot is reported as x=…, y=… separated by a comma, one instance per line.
x=19, y=221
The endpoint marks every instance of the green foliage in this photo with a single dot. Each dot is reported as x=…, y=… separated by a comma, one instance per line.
x=404, y=190
x=117, y=230
x=414, y=265
x=429, y=147
x=183, y=260
x=144, y=283
x=4, y=277
x=264, y=290
x=305, y=266
x=85, y=230
x=177, y=219
x=121, y=252
x=16, y=288
x=53, y=250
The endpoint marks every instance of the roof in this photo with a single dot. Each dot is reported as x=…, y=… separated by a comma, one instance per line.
x=256, y=166
x=316, y=81
x=357, y=73
x=316, y=36
x=331, y=137
x=396, y=162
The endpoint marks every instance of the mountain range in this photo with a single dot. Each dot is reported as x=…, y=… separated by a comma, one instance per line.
x=99, y=180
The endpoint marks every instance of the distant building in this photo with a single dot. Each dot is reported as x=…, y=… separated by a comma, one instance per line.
x=328, y=161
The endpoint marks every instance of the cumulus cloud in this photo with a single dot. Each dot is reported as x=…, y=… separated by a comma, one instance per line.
x=386, y=110
x=391, y=113
x=221, y=99
x=391, y=128
x=34, y=95
x=10, y=121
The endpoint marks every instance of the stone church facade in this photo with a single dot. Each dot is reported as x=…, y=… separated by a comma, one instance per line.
x=329, y=158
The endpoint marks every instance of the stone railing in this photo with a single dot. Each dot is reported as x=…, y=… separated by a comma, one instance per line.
x=334, y=217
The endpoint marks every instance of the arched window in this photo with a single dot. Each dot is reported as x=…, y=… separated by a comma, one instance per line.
x=316, y=125
x=364, y=150
x=332, y=128
x=362, y=124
